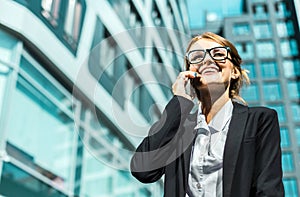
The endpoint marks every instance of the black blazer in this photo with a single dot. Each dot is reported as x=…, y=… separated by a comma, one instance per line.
x=252, y=154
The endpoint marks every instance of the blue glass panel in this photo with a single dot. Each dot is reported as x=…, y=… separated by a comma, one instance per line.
x=269, y=69
x=285, y=28
x=285, y=137
x=40, y=118
x=251, y=68
x=245, y=50
x=260, y=11
x=241, y=29
x=282, y=9
x=250, y=93
x=287, y=162
x=291, y=68
x=289, y=48
x=290, y=187
x=279, y=108
x=296, y=112
x=272, y=91
x=17, y=182
x=265, y=50
x=297, y=132
x=293, y=89
x=262, y=30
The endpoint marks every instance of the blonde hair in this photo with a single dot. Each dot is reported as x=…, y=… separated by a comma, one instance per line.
x=235, y=84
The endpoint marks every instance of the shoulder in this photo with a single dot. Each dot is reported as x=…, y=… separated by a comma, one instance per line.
x=263, y=110
x=256, y=110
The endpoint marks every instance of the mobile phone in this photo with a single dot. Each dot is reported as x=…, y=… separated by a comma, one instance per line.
x=189, y=89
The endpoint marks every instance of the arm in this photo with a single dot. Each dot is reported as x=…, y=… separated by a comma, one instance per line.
x=268, y=169
x=156, y=150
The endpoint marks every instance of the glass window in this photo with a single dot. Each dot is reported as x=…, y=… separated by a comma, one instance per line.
x=130, y=17
x=161, y=74
x=295, y=112
x=134, y=22
x=279, y=108
x=48, y=123
x=272, y=91
x=289, y=48
x=170, y=14
x=50, y=10
x=107, y=65
x=8, y=47
x=17, y=182
x=282, y=9
x=251, y=68
x=293, y=89
x=156, y=16
x=287, y=162
x=265, y=50
x=285, y=28
x=262, y=30
x=8, y=56
x=291, y=68
x=113, y=182
x=144, y=102
x=269, y=69
x=260, y=11
x=285, y=137
x=290, y=187
x=297, y=132
x=245, y=50
x=250, y=93
x=73, y=21
x=93, y=174
x=240, y=29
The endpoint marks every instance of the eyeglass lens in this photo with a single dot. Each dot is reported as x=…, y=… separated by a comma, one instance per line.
x=217, y=53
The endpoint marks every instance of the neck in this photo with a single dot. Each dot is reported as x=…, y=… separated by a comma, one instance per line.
x=211, y=103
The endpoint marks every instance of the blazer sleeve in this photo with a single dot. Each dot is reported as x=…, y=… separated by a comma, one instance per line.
x=157, y=149
x=268, y=172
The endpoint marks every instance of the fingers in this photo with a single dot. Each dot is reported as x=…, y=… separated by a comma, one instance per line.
x=188, y=75
x=179, y=86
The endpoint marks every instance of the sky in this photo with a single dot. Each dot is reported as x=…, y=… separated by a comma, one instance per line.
x=217, y=8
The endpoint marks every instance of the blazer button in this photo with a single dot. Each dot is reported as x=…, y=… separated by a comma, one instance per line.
x=199, y=186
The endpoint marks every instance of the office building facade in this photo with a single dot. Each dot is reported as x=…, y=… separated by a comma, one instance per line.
x=81, y=82
x=267, y=37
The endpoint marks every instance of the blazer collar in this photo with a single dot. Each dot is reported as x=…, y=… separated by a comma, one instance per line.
x=232, y=146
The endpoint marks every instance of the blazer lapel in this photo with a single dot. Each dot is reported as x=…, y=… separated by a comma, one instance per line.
x=189, y=126
x=232, y=145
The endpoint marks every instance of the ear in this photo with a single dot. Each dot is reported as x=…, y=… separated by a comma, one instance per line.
x=235, y=73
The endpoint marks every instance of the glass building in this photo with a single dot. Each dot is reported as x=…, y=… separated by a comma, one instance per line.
x=267, y=36
x=80, y=84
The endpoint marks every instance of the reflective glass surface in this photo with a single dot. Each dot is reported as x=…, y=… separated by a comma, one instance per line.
x=41, y=125
x=272, y=91
x=285, y=137
x=17, y=182
x=287, y=162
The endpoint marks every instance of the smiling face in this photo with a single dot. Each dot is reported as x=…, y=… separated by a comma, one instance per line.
x=233, y=80
x=210, y=68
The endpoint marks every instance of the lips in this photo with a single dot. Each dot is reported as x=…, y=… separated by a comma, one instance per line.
x=211, y=69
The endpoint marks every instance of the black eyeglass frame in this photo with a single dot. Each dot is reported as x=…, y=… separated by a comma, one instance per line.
x=208, y=50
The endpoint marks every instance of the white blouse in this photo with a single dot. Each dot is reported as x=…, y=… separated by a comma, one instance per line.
x=205, y=177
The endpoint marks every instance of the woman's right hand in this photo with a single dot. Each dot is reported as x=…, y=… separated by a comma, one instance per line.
x=179, y=86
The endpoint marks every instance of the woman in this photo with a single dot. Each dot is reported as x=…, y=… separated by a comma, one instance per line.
x=225, y=148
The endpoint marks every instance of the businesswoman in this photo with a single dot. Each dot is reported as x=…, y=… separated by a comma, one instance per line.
x=224, y=148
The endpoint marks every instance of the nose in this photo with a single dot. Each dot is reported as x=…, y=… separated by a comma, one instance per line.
x=206, y=57
x=194, y=67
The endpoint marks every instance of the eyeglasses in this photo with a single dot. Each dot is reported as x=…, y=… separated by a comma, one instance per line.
x=216, y=53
